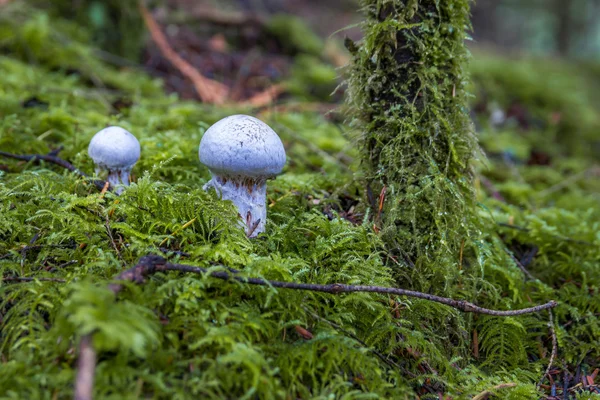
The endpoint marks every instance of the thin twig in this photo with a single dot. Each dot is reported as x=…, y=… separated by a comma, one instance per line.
x=29, y=279
x=55, y=151
x=86, y=366
x=112, y=239
x=520, y=265
x=54, y=160
x=554, y=347
x=65, y=264
x=151, y=264
x=25, y=249
x=177, y=252
x=44, y=157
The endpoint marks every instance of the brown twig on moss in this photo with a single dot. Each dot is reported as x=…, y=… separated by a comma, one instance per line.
x=86, y=366
x=554, y=347
x=25, y=249
x=151, y=264
x=30, y=279
x=54, y=160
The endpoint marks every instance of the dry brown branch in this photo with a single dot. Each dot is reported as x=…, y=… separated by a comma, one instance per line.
x=208, y=90
x=86, y=367
x=151, y=264
x=23, y=250
x=29, y=279
x=554, y=347
x=112, y=239
x=54, y=160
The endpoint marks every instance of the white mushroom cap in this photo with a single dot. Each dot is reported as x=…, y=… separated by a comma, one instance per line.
x=241, y=145
x=114, y=148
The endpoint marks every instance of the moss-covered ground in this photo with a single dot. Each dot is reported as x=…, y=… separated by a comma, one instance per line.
x=178, y=336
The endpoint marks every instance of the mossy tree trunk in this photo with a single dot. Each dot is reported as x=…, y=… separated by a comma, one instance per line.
x=408, y=101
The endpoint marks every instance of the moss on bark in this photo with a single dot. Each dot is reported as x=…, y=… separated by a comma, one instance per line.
x=409, y=104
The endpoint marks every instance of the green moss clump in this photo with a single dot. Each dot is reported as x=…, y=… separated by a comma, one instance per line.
x=179, y=336
x=294, y=35
x=409, y=106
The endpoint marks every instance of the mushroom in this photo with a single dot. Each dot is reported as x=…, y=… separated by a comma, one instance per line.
x=116, y=150
x=242, y=152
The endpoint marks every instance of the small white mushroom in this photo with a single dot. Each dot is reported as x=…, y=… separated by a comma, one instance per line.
x=242, y=152
x=116, y=150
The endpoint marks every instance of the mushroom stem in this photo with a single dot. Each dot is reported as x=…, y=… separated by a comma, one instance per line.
x=113, y=178
x=249, y=196
x=125, y=176
x=117, y=179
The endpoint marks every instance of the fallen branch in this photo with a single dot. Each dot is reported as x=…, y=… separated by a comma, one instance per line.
x=554, y=347
x=86, y=366
x=29, y=279
x=520, y=265
x=152, y=264
x=23, y=250
x=54, y=160
x=208, y=90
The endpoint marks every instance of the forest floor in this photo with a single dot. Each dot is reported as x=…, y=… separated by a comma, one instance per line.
x=177, y=336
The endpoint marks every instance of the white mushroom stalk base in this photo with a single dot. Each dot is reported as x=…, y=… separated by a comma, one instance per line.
x=249, y=196
x=118, y=179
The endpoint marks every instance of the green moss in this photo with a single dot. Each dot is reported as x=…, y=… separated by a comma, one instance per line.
x=180, y=336
x=408, y=100
x=555, y=100
x=294, y=35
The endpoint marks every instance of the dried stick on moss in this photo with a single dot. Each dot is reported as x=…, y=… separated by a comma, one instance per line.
x=30, y=279
x=151, y=264
x=54, y=160
x=86, y=366
x=554, y=348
